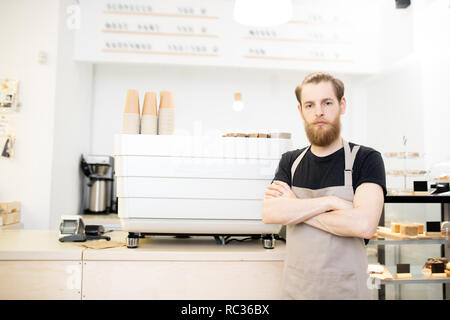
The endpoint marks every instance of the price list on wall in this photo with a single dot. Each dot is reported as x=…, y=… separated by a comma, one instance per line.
x=202, y=32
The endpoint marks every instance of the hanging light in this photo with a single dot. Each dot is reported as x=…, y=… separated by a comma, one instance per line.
x=262, y=13
x=238, y=105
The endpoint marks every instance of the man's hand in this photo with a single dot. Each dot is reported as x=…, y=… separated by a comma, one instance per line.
x=279, y=189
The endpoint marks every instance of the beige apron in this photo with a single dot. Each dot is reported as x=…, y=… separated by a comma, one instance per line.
x=318, y=264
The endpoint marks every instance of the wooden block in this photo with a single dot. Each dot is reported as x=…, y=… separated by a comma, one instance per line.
x=439, y=275
x=403, y=276
x=8, y=207
x=423, y=237
x=408, y=230
x=421, y=193
x=420, y=227
x=9, y=218
x=434, y=235
x=395, y=227
x=386, y=232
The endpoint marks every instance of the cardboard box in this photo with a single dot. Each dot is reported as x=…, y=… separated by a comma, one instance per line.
x=9, y=212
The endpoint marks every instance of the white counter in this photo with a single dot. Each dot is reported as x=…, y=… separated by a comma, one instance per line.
x=187, y=249
x=36, y=245
x=35, y=265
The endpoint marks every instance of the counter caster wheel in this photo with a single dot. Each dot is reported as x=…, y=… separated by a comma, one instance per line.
x=132, y=241
x=268, y=241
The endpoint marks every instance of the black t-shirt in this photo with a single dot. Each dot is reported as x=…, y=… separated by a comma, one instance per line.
x=315, y=172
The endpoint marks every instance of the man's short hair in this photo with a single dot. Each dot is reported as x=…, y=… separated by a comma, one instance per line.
x=317, y=77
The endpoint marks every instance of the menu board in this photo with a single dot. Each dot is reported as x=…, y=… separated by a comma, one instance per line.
x=322, y=34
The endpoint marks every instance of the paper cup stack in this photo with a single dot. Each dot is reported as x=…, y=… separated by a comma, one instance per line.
x=151, y=122
x=131, y=117
x=166, y=113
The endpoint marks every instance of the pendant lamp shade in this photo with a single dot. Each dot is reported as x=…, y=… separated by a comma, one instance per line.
x=262, y=13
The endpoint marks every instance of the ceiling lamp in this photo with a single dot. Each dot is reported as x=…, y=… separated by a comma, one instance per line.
x=262, y=13
x=238, y=105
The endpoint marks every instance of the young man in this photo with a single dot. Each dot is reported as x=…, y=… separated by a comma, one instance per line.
x=330, y=195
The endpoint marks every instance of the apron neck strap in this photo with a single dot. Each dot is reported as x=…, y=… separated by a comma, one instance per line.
x=350, y=157
x=295, y=164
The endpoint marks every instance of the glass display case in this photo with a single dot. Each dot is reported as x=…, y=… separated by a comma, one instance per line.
x=412, y=250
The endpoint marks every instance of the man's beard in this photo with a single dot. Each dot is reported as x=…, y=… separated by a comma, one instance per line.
x=324, y=135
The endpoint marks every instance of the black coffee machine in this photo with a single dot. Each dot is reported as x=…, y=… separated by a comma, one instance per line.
x=98, y=187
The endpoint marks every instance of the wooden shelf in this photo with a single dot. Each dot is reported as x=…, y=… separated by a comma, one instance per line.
x=417, y=199
x=402, y=242
x=416, y=279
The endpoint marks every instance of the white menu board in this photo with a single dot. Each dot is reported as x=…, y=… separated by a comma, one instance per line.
x=336, y=35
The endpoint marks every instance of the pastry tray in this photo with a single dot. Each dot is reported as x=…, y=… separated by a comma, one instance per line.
x=386, y=233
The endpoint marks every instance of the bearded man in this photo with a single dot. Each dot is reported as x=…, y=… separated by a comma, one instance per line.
x=330, y=195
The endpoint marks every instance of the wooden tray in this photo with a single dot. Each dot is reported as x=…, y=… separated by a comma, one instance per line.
x=386, y=233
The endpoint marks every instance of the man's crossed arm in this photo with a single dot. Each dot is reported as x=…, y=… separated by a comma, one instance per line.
x=330, y=213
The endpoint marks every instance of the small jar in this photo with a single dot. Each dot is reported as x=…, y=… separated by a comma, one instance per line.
x=445, y=232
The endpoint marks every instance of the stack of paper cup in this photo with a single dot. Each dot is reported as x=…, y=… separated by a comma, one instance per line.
x=149, y=120
x=131, y=117
x=166, y=113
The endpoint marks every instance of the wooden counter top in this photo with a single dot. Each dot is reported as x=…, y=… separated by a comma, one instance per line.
x=187, y=249
x=36, y=245
x=44, y=245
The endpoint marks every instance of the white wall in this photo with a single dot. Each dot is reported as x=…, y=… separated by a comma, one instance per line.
x=411, y=97
x=28, y=27
x=432, y=44
x=54, y=119
x=72, y=123
x=70, y=108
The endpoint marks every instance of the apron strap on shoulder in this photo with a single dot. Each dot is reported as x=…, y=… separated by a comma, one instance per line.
x=350, y=157
x=295, y=165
